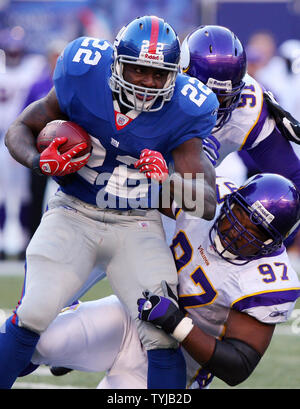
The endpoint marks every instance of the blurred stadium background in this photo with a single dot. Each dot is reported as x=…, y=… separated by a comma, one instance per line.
x=37, y=30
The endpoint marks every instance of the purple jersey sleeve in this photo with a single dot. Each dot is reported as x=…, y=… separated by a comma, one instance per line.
x=276, y=155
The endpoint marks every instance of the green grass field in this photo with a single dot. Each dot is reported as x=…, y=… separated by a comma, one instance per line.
x=278, y=369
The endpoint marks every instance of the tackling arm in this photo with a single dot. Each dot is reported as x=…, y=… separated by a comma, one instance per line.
x=232, y=359
x=276, y=155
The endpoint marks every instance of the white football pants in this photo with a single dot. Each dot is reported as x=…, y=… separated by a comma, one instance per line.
x=72, y=238
x=96, y=336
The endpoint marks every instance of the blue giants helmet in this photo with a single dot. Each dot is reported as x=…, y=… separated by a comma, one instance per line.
x=272, y=203
x=147, y=41
x=215, y=56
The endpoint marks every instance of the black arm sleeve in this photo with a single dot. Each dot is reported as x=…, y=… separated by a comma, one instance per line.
x=232, y=361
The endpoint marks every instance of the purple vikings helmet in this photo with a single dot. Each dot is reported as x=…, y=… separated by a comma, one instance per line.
x=215, y=56
x=147, y=41
x=272, y=203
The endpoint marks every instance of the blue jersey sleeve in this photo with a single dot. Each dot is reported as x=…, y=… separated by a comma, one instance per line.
x=197, y=111
x=83, y=56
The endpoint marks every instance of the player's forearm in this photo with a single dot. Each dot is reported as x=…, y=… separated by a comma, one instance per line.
x=199, y=345
x=209, y=202
x=231, y=359
x=196, y=195
x=20, y=142
x=195, y=191
x=21, y=136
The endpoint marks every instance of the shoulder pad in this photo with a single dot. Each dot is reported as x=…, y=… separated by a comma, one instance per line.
x=194, y=97
x=269, y=287
x=87, y=58
x=83, y=53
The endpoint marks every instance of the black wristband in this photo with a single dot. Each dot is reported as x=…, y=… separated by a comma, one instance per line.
x=36, y=166
x=173, y=317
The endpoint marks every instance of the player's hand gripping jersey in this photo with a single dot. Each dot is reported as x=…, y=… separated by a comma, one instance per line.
x=82, y=86
x=209, y=287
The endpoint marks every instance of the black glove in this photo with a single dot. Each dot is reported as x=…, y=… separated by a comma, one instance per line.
x=163, y=312
x=287, y=125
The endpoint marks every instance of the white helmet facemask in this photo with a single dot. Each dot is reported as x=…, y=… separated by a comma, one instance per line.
x=141, y=98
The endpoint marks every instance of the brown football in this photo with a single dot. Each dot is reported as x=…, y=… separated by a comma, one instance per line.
x=59, y=128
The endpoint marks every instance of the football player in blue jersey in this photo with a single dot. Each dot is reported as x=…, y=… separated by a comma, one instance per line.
x=140, y=113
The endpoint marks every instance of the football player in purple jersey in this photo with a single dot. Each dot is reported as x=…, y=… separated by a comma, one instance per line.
x=256, y=291
x=140, y=112
x=236, y=285
x=248, y=120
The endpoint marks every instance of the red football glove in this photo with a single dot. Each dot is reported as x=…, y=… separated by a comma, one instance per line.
x=53, y=163
x=153, y=165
